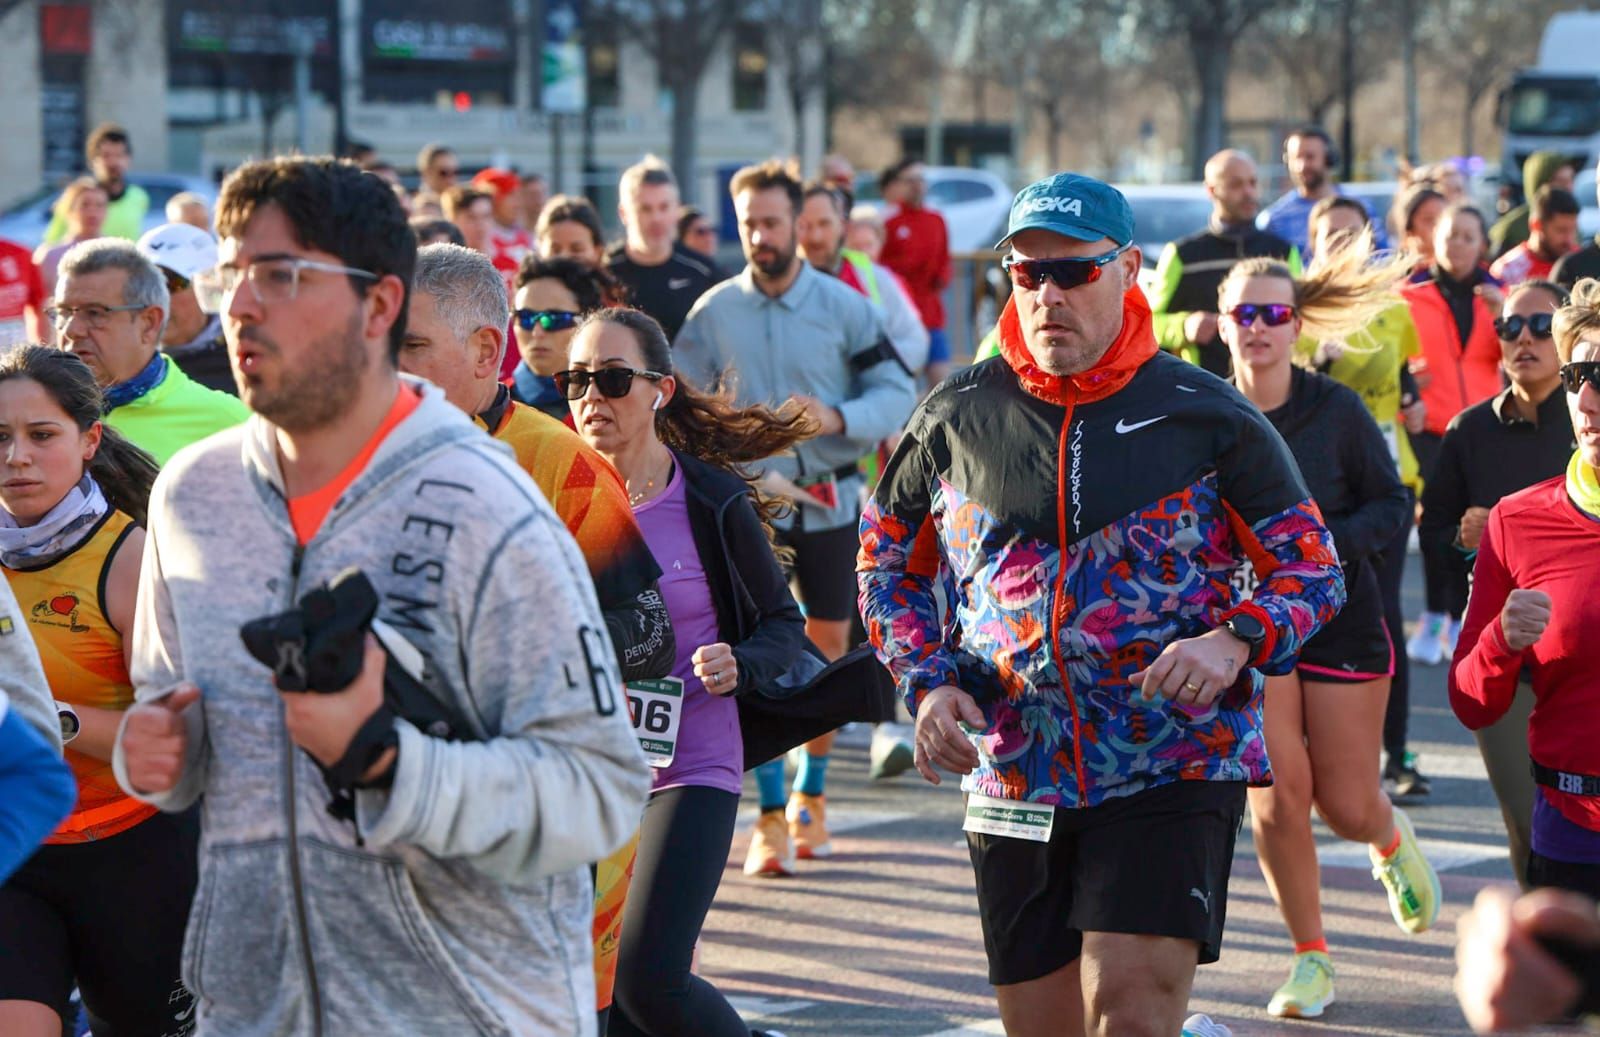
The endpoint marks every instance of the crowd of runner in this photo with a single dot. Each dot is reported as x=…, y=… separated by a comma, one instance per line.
x=399, y=584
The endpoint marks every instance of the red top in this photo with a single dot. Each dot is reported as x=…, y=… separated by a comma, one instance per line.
x=508, y=246
x=917, y=247
x=21, y=290
x=1537, y=539
x=1452, y=377
x=307, y=511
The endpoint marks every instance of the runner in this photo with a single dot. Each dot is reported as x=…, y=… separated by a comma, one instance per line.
x=439, y=170
x=72, y=503
x=193, y=338
x=780, y=331
x=188, y=207
x=1310, y=159
x=739, y=628
x=663, y=278
x=431, y=231
x=1416, y=217
x=552, y=296
x=1575, y=266
x=454, y=337
x=82, y=206
x=22, y=298
x=1374, y=362
x=1324, y=719
x=109, y=153
x=1191, y=268
x=1538, y=169
x=1511, y=441
x=569, y=228
x=1533, y=609
x=461, y=866
x=1095, y=494
x=1454, y=309
x=110, y=309
x=695, y=231
x=1552, y=234
x=917, y=247
x=509, y=243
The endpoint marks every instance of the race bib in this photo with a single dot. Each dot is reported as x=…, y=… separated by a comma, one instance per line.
x=656, y=707
x=1244, y=580
x=1010, y=818
x=1391, y=439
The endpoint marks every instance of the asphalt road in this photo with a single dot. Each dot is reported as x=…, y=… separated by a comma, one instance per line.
x=883, y=939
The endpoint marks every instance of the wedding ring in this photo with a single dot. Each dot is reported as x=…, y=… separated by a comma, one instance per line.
x=1192, y=686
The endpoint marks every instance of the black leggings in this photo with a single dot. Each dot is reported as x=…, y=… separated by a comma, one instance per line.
x=1391, y=566
x=683, y=847
x=1444, y=576
x=109, y=916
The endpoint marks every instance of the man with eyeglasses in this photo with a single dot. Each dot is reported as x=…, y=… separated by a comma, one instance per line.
x=455, y=334
x=784, y=332
x=1045, y=569
x=454, y=896
x=110, y=309
x=193, y=339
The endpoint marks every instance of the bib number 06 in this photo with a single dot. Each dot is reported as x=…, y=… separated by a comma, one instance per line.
x=656, y=708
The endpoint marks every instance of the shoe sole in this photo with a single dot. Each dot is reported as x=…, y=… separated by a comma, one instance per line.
x=894, y=763
x=814, y=853
x=771, y=870
x=1300, y=1011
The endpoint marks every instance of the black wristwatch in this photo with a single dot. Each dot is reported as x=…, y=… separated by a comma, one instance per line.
x=1248, y=629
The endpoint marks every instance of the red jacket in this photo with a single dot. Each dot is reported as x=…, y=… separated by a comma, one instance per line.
x=917, y=247
x=1455, y=377
x=1538, y=539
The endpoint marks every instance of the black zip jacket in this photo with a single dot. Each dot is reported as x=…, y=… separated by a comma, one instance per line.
x=1190, y=271
x=1489, y=451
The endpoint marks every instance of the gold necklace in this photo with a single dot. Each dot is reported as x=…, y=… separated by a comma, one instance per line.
x=649, y=485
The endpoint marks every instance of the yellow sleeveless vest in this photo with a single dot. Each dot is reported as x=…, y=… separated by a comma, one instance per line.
x=64, y=603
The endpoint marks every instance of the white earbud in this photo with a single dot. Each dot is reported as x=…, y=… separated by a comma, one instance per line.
x=659, y=401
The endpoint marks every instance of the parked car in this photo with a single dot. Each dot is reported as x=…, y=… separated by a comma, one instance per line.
x=975, y=204
x=1377, y=195
x=26, y=221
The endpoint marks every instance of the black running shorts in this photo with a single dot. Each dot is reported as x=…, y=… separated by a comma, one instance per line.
x=1354, y=647
x=1155, y=863
x=824, y=570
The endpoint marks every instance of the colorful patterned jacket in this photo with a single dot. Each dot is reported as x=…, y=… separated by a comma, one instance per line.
x=1036, y=540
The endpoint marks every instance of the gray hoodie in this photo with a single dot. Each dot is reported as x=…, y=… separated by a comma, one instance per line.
x=463, y=904
x=21, y=674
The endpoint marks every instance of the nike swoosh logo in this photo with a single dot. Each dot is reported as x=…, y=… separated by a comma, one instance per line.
x=1123, y=428
x=675, y=283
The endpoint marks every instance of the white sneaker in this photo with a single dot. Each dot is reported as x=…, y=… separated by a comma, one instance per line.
x=1204, y=1026
x=892, y=753
x=1426, y=646
x=1449, y=637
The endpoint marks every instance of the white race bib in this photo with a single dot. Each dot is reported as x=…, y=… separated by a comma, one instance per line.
x=1011, y=818
x=656, y=707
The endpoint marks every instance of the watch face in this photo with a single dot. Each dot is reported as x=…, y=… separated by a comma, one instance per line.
x=1248, y=627
x=70, y=725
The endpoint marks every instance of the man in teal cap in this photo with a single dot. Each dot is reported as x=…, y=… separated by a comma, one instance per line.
x=1089, y=670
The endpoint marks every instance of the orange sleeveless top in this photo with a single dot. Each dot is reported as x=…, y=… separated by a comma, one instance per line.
x=64, y=603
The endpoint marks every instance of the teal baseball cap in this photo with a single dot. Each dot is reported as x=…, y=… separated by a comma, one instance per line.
x=1071, y=205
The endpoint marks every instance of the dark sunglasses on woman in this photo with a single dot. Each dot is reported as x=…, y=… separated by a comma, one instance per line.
x=614, y=382
x=1274, y=314
x=1510, y=328
x=1066, y=274
x=1573, y=375
x=549, y=320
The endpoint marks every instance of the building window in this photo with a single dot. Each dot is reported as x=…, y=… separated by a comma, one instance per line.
x=604, y=78
x=749, y=68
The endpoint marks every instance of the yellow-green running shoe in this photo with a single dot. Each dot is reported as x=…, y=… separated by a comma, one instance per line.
x=1411, y=882
x=1308, y=991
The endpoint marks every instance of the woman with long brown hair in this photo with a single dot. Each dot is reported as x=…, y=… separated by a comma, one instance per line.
x=737, y=628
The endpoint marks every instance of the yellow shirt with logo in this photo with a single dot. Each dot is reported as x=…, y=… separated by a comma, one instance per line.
x=64, y=603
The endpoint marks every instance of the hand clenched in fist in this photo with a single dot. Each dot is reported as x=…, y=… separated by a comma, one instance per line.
x=1524, y=617
x=155, y=738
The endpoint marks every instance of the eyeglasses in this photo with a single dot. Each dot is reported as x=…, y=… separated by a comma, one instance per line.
x=94, y=315
x=1275, y=314
x=1575, y=374
x=613, y=382
x=1066, y=274
x=1510, y=328
x=176, y=282
x=449, y=172
x=549, y=320
x=271, y=280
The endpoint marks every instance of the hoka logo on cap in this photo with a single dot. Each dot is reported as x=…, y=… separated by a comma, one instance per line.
x=1062, y=205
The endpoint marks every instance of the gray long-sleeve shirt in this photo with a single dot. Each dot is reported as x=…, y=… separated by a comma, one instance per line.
x=820, y=338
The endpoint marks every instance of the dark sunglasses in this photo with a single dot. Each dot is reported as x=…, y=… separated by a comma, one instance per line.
x=549, y=320
x=1066, y=274
x=1510, y=328
x=176, y=282
x=1274, y=314
x=1573, y=375
x=614, y=382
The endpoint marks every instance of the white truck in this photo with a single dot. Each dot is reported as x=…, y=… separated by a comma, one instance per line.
x=1555, y=106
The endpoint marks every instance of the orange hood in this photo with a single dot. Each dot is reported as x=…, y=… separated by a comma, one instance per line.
x=1135, y=344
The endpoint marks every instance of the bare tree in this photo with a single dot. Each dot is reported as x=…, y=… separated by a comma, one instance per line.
x=1477, y=43
x=1210, y=29
x=1299, y=42
x=678, y=35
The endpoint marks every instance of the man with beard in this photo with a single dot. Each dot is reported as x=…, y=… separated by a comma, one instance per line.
x=782, y=332
x=110, y=153
x=1309, y=156
x=1191, y=269
x=370, y=916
